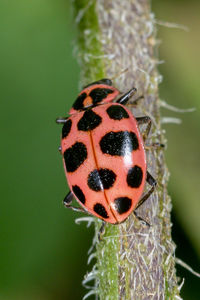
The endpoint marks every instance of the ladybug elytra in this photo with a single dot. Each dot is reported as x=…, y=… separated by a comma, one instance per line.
x=103, y=153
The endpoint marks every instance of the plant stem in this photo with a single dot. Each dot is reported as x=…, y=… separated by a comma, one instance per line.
x=133, y=260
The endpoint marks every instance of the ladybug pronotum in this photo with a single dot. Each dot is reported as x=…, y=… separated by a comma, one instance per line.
x=103, y=153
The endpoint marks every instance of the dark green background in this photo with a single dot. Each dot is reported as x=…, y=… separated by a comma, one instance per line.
x=43, y=254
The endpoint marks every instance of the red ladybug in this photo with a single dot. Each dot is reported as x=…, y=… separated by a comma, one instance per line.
x=103, y=153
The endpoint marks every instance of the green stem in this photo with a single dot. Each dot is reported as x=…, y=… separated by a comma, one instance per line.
x=133, y=261
x=89, y=52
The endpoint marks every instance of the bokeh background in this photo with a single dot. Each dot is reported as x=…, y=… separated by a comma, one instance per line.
x=43, y=254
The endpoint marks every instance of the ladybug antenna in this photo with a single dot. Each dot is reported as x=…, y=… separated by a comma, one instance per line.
x=119, y=74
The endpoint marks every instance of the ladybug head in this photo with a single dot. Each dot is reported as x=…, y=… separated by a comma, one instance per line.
x=98, y=92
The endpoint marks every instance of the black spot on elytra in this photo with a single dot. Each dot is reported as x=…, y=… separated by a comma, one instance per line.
x=117, y=112
x=122, y=204
x=79, y=193
x=134, y=177
x=100, y=210
x=99, y=94
x=119, y=143
x=78, y=104
x=89, y=121
x=66, y=128
x=75, y=156
x=102, y=81
x=101, y=179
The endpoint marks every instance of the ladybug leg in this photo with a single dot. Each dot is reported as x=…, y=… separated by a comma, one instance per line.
x=145, y=120
x=141, y=219
x=125, y=97
x=101, y=231
x=135, y=101
x=61, y=120
x=154, y=146
x=68, y=201
x=151, y=181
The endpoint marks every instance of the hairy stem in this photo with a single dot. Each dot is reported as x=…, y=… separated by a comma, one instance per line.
x=133, y=260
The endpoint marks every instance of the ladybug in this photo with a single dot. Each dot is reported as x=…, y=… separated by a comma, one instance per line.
x=103, y=153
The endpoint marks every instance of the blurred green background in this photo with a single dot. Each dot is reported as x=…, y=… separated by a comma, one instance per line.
x=43, y=254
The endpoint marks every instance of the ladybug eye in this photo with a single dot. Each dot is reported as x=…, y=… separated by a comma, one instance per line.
x=102, y=81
